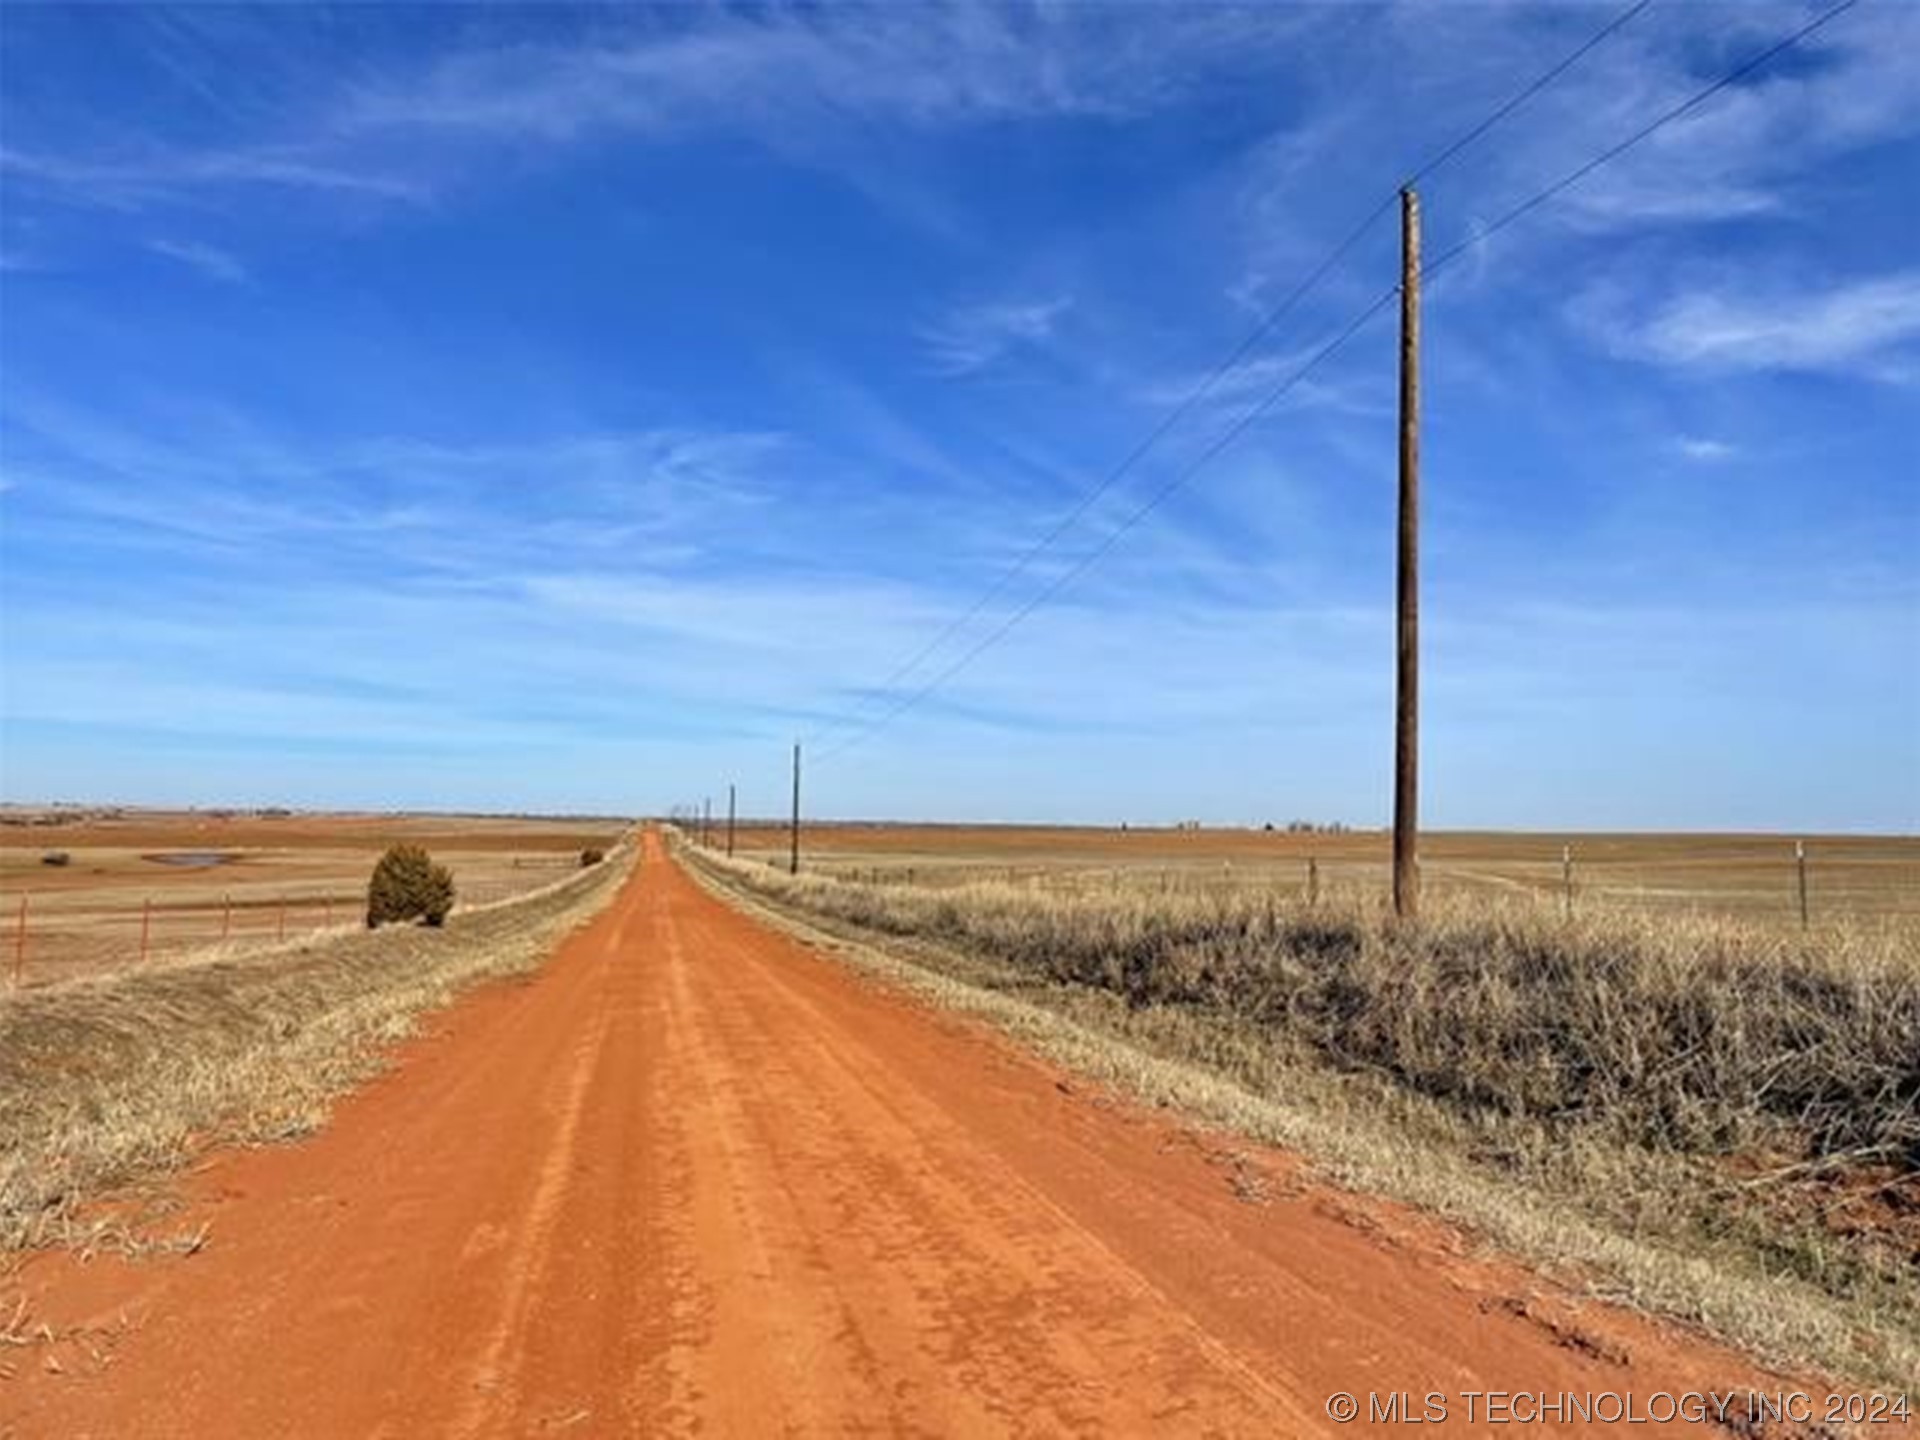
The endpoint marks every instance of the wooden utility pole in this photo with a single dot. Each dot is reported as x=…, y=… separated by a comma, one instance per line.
x=793, y=833
x=730, y=807
x=706, y=822
x=1800, y=861
x=1406, y=727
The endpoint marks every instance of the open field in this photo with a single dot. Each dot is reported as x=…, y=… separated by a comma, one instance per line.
x=1752, y=877
x=725, y=1186
x=197, y=879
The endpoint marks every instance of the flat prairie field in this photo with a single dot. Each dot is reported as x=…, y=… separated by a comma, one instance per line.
x=166, y=885
x=1752, y=877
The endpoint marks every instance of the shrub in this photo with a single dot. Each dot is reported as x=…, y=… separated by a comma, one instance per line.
x=56, y=857
x=591, y=856
x=407, y=885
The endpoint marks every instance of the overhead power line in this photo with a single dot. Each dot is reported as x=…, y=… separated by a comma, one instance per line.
x=1685, y=107
x=1253, y=338
x=1126, y=526
x=1353, y=327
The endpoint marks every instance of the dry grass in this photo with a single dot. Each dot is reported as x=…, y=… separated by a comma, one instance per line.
x=1720, y=1121
x=105, y=1082
x=251, y=882
x=1748, y=877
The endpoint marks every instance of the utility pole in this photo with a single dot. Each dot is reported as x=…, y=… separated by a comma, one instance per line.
x=706, y=822
x=1406, y=727
x=729, y=819
x=793, y=833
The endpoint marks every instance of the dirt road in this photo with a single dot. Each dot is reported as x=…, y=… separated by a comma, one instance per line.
x=695, y=1178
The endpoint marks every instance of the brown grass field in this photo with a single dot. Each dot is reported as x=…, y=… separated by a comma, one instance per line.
x=197, y=880
x=1750, y=877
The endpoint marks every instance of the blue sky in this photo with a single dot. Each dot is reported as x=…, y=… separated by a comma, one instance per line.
x=557, y=409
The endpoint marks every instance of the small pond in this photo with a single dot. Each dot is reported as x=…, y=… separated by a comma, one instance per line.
x=191, y=859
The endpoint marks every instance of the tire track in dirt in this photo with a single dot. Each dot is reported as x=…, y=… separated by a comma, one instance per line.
x=693, y=1177
x=911, y=1190
x=493, y=1382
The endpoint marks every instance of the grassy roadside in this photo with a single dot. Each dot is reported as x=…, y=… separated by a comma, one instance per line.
x=105, y=1082
x=1708, y=1197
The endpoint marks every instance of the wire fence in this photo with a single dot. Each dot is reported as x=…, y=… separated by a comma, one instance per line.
x=69, y=931
x=1793, y=883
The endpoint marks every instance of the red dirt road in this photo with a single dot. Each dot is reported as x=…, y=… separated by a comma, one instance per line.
x=694, y=1178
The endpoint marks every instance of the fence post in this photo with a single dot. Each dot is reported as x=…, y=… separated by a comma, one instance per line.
x=146, y=926
x=226, y=914
x=1313, y=880
x=1566, y=876
x=20, y=947
x=281, y=932
x=1800, y=863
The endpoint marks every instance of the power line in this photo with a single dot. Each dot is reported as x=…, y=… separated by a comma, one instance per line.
x=1239, y=352
x=1133, y=457
x=1152, y=503
x=1517, y=101
x=1266, y=402
x=1693, y=102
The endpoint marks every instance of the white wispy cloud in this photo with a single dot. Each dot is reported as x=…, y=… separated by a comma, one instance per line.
x=786, y=78
x=209, y=260
x=1865, y=327
x=927, y=66
x=144, y=174
x=1738, y=155
x=974, y=337
x=210, y=477
x=1754, y=153
x=1298, y=377
x=1705, y=449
